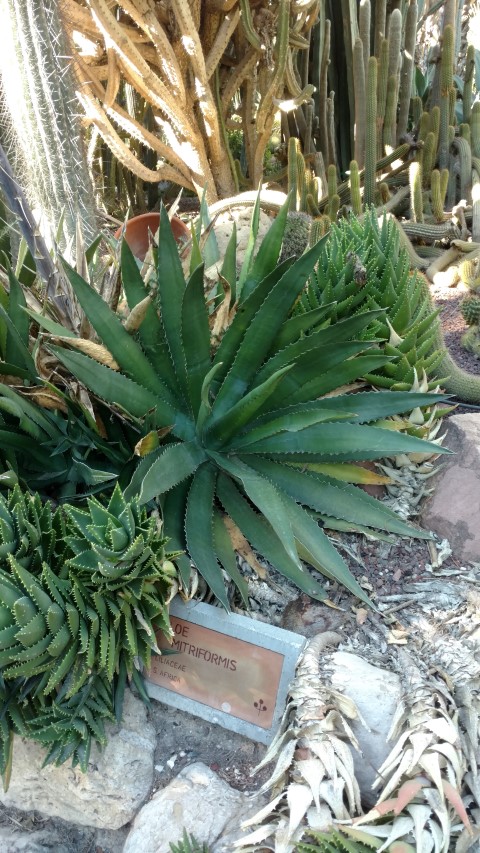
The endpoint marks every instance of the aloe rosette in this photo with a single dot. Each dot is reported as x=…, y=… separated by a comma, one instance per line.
x=81, y=595
x=244, y=429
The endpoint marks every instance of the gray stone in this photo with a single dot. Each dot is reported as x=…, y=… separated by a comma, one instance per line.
x=196, y=800
x=108, y=795
x=13, y=841
x=377, y=693
x=453, y=511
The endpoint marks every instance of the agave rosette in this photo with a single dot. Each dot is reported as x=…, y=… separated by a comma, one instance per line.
x=245, y=428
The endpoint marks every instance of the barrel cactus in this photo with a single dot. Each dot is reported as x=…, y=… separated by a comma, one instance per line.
x=470, y=309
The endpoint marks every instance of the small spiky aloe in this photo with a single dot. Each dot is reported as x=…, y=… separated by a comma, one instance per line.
x=232, y=425
x=81, y=595
x=119, y=564
x=363, y=267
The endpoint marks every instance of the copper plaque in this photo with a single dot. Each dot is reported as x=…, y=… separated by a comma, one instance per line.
x=229, y=668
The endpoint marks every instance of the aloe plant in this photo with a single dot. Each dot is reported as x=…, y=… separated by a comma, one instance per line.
x=364, y=267
x=82, y=593
x=241, y=428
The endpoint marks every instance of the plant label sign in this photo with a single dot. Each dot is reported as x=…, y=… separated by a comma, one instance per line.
x=228, y=669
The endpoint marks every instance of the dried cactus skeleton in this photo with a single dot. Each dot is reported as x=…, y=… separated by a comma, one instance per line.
x=189, y=65
x=429, y=782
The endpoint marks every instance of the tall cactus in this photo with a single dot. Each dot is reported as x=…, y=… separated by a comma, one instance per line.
x=39, y=93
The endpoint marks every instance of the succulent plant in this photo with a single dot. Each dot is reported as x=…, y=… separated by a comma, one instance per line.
x=120, y=566
x=188, y=844
x=226, y=427
x=364, y=267
x=82, y=593
x=470, y=309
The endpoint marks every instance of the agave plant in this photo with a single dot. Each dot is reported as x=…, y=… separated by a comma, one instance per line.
x=241, y=428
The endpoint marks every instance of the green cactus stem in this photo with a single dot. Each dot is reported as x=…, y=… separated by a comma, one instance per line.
x=355, y=195
x=364, y=23
x=380, y=25
x=416, y=197
x=470, y=309
x=407, y=69
x=475, y=129
x=371, y=132
x=428, y=153
x=360, y=105
x=446, y=83
x=462, y=148
x=468, y=82
x=382, y=94
x=389, y=127
x=437, y=196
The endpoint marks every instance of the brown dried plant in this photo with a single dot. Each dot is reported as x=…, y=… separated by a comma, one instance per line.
x=203, y=67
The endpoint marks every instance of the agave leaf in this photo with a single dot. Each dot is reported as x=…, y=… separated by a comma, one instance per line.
x=19, y=353
x=195, y=336
x=295, y=421
x=336, y=377
x=315, y=548
x=123, y=347
x=265, y=496
x=343, y=442
x=261, y=331
x=367, y=406
x=311, y=357
x=229, y=265
x=295, y=327
x=313, y=771
x=16, y=312
x=150, y=333
x=332, y=497
x=226, y=555
x=114, y=387
x=199, y=529
x=50, y=325
x=176, y=463
x=269, y=249
x=242, y=412
x=235, y=333
x=262, y=537
x=174, y=505
x=170, y=297
x=252, y=239
x=345, y=472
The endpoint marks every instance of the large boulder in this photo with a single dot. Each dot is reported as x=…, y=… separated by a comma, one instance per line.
x=376, y=693
x=196, y=800
x=453, y=511
x=109, y=795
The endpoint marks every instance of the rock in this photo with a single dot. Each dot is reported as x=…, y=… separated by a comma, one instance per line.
x=308, y=617
x=12, y=841
x=197, y=800
x=376, y=692
x=454, y=508
x=108, y=795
